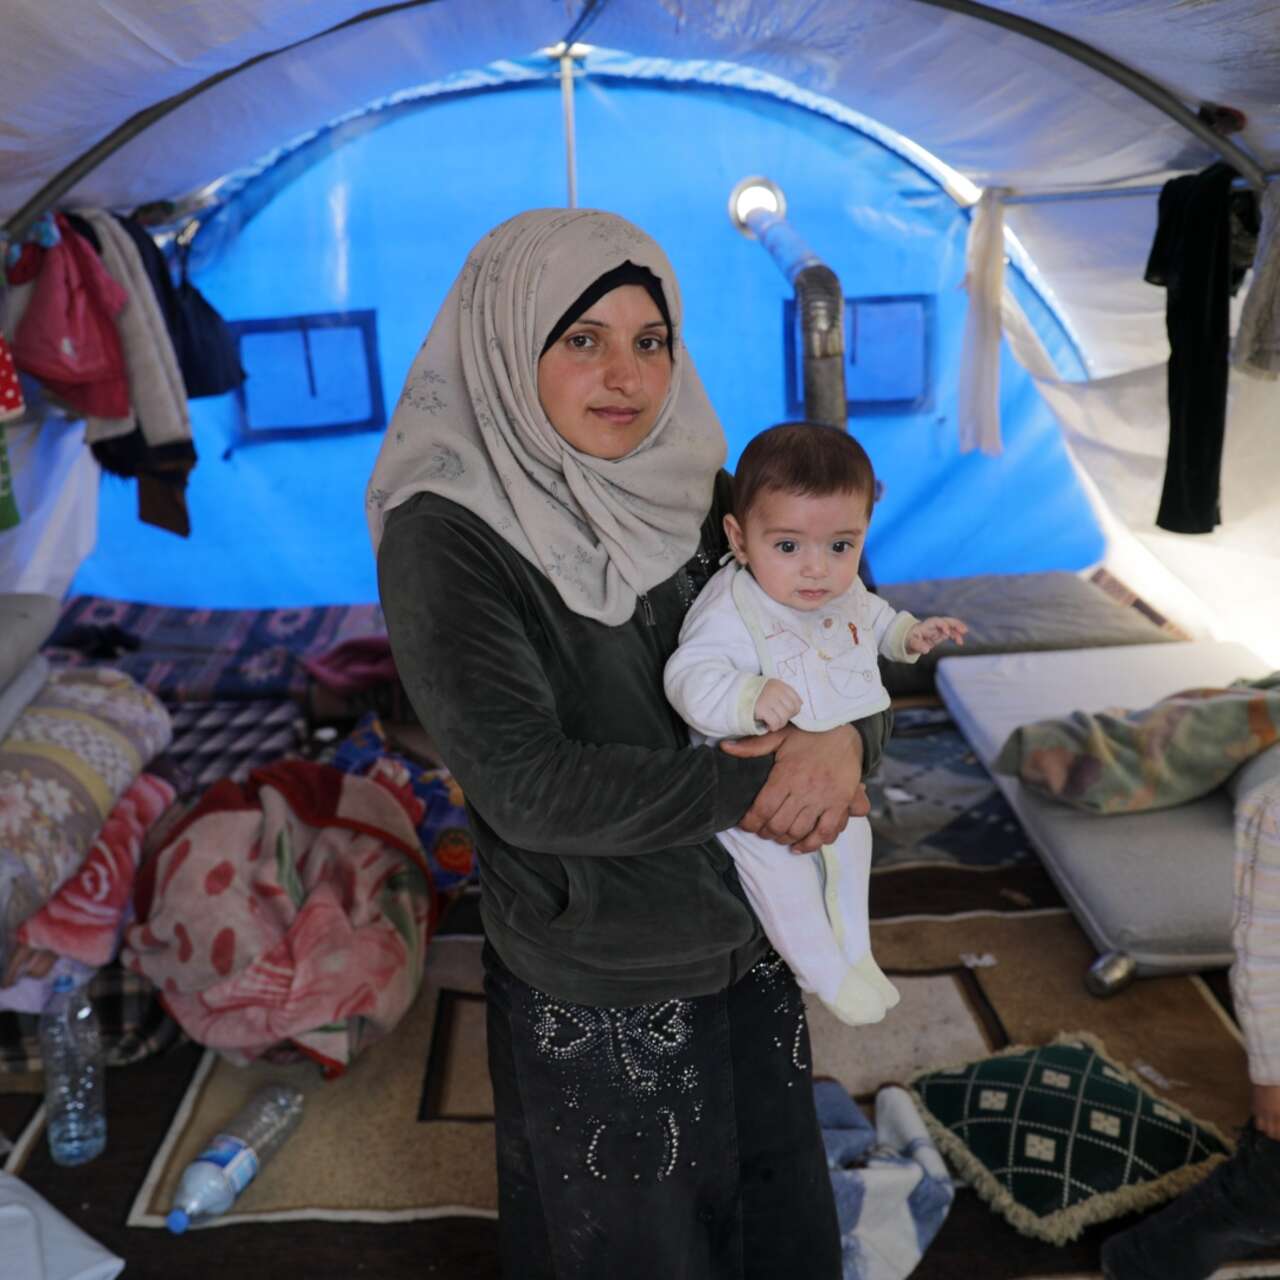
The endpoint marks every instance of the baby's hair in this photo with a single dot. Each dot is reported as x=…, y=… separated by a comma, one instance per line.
x=804, y=458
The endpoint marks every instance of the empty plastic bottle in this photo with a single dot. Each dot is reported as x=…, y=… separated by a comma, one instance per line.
x=213, y=1180
x=74, y=1083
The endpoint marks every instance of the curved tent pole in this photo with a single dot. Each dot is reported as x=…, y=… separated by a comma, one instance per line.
x=1135, y=81
x=138, y=123
x=62, y=182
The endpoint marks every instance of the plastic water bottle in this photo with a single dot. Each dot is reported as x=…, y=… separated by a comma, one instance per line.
x=74, y=1084
x=213, y=1180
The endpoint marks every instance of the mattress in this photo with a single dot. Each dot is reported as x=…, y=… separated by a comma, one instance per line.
x=207, y=655
x=1156, y=885
x=1019, y=613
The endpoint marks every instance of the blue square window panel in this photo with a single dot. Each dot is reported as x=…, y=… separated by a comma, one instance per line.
x=309, y=375
x=888, y=344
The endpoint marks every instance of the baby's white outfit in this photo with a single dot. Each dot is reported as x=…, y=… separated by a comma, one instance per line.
x=734, y=638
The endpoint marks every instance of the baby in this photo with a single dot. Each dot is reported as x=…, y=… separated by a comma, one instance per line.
x=787, y=633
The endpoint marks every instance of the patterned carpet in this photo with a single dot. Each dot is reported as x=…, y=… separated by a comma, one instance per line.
x=933, y=801
x=966, y=921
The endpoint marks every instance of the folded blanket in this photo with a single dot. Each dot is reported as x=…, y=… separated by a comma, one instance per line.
x=65, y=762
x=290, y=910
x=82, y=921
x=1126, y=761
x=891, y=1186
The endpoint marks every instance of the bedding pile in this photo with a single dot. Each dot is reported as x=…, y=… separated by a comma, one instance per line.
x=1121, y=761
x=291, y=911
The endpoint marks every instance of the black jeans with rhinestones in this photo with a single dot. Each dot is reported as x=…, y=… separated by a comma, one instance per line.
x=669, y=1141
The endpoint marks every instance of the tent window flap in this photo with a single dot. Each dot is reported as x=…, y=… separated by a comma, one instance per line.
x=309, y=375
x=888, y=355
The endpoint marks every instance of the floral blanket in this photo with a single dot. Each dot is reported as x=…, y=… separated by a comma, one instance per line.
x=67, y=759
x=437, y=803
x=1125, y=761
x=291, y=910
x=83, y=920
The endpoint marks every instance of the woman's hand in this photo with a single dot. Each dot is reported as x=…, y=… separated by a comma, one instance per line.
x=1266, y=1109
x=814, y=787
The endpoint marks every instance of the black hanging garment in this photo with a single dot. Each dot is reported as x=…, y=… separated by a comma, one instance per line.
x=206, y=349
x=1201, y=251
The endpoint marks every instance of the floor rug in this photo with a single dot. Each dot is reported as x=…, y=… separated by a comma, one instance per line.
x=412, y=1117
x=406, y=1133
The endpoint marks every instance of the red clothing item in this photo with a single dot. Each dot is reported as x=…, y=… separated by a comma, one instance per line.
x=67, y=336
x=26, y=266
x=11, y=402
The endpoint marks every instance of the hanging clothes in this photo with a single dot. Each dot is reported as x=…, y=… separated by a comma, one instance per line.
x=11, y=406
x=1256, y=349
x=156, y=447
x=206, y=349
x=1201, y=251
x=67, y=335
x=159, y=398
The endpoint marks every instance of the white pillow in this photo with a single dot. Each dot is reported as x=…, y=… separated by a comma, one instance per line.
x=1254, y=772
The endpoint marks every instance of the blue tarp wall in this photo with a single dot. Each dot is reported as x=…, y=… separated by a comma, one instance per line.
x=377, y=216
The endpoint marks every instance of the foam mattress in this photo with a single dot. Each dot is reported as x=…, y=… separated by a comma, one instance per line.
x=1156, y=885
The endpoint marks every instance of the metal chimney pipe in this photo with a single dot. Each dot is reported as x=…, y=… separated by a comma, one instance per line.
x=820, y=310
x=758, y=209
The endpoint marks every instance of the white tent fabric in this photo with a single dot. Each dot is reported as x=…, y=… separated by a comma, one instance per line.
x=994, y=106
x=979, y=410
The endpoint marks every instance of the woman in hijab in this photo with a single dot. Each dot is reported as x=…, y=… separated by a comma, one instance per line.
x=547, y=504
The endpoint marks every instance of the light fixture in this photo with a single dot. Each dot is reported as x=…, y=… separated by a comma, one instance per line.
x=561, y=50
x=752, y=194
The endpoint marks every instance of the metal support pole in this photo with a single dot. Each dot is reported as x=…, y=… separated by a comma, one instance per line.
x=820, y=311
x=1101, y=193
x=570, y=142
x=1239, y=159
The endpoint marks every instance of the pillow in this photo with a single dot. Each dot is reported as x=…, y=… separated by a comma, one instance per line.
x=65, y=762
x=1259, y=769
x=1057, y=1137
x=1013, y=613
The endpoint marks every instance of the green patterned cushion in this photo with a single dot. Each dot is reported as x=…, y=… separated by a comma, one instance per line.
x=1061, y=1136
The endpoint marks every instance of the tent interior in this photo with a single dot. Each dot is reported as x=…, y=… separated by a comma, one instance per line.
x=319, y=172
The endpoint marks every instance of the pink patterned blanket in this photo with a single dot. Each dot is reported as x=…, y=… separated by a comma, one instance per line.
x=291, y=910
x=82, y=920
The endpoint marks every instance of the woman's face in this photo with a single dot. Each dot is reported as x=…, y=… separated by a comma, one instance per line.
x=605, y=378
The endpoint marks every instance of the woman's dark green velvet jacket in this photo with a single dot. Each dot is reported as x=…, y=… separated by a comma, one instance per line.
x=601, y=878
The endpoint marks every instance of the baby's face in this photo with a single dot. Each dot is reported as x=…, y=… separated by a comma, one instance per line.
x=802, y=550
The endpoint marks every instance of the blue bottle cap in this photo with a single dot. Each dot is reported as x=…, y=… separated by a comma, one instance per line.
x=177, y=1221
x=64, y=982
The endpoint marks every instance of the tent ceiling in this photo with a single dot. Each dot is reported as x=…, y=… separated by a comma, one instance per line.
x=992, y=104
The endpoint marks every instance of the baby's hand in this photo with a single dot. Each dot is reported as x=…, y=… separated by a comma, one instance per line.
x=933, y=631
x=776, y=704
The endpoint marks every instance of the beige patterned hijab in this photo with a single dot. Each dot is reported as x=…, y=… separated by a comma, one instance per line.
x=470, y=426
